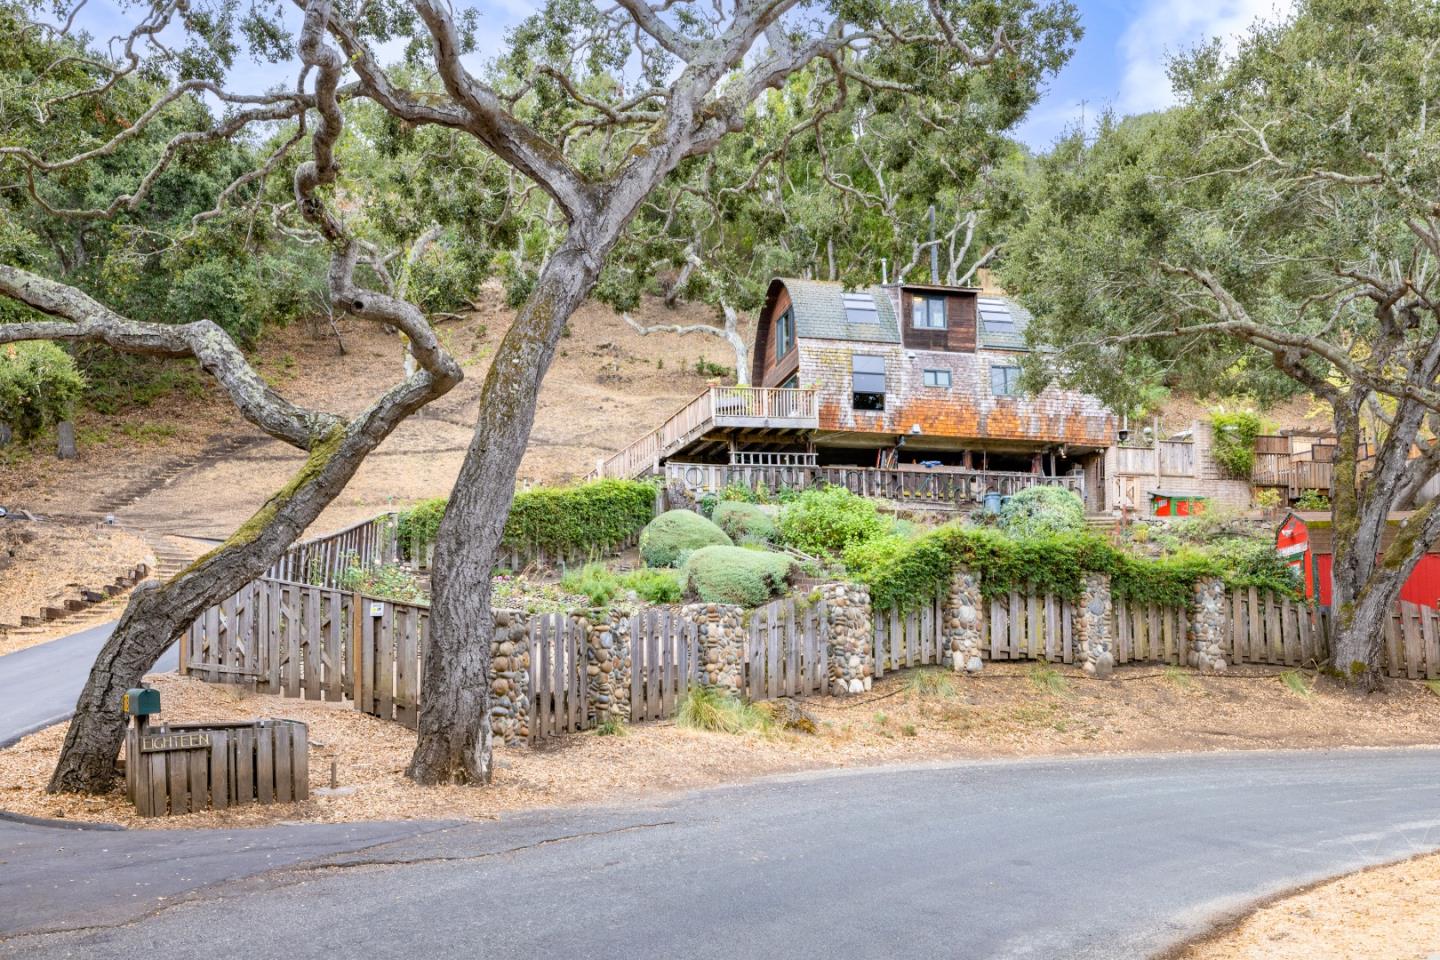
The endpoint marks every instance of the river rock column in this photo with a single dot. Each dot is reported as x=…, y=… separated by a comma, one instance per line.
x=607, y=668
x=851, y=666
x=510, y=677
x=722, y=634
x=1207, y=626
x=1092, y=626
x=962, y=611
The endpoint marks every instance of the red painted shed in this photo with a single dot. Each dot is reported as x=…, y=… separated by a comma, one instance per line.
x=1306, y=538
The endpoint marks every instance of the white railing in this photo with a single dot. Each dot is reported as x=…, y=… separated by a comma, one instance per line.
x=942, y=486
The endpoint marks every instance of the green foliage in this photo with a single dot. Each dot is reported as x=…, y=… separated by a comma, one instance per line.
x=1295, y=682
x=744, y=522
x=388, y=582
x=827, y=520
x=712, y=710
x=1234, y=445
x=704, y=368
x=671, y=537
x=38, y=387
x=1041, y=512
x=601, y=586
x=1268, y=498
x=1047, y=680
x=930, y=682
x=1312, y=500
x=721, y=574
x=611, y=726
x=589, y=516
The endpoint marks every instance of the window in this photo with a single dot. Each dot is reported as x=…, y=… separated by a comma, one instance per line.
x=860, y=308
x=937, y=378
x=785, y=333
x=868, y=382
x=928, y=311
x=791, y=382
x=1005, y=381
x=996, y=317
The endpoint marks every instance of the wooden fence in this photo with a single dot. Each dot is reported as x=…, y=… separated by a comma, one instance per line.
x=787, y=653
x=559, y=689
x=1149, y=632
x=912, y=639
x=188, y=767
x=1027, y=625
x=664, y=661
x=292, y=639
x=388, y=658
x=324, y=560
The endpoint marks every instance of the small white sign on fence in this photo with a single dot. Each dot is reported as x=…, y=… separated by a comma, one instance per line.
x=377, y=609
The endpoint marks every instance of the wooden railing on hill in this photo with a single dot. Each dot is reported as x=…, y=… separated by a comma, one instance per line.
x=940, y=486
x=758, y=407
x=324, y=560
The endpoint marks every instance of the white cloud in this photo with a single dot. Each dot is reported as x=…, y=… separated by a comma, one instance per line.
x=1166, y=27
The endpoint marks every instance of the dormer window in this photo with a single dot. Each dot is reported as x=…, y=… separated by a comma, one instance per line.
x=927, y=311
x=785, y=332
x=860, y=308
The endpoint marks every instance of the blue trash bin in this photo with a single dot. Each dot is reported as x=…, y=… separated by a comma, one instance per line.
x=992, y=501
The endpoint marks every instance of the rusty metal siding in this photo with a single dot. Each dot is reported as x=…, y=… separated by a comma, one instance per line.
x=965, y=410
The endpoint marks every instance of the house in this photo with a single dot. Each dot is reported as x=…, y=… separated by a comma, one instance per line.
x=905, y=391
x=1307, y=540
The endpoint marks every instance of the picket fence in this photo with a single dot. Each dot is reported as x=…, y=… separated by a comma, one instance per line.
x=1149, y=633
x=1028, y=626
x=787, y=652
x=189, y=767
x=912, y=639
x=324, y=560
x=664, y=661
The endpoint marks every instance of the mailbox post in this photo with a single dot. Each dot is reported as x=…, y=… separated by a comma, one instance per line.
x=141, y=703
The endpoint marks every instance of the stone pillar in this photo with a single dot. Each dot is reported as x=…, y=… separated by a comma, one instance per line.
x=510, y=677
x=607, y=669
x=1092, y=627
x=962, y=611
x=1207, y=626
x=852, y=637
x=722, y=634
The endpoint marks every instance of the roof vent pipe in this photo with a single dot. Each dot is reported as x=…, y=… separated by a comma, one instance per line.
x=934, y=250
x=884, y=271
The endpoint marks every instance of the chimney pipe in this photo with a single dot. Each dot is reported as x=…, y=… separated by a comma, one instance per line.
x=884, y=271
x=934, y=250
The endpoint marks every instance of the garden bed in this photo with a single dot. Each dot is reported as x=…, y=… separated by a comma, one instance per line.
x=1011, y=710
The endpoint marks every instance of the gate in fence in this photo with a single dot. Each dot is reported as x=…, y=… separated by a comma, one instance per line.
x=664, y=661
x=911, y=639
x=1147, y=632
x=1026, y=625
x=559, y=689
x=787, y=652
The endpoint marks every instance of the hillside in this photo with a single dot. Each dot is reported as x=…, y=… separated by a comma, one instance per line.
x=190, y=464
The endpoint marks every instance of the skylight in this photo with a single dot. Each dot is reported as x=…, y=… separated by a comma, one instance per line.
x=997, y=318
x=860, y=308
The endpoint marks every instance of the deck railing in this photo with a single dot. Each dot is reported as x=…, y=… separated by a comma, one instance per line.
x=716, y=407
x=944, y=486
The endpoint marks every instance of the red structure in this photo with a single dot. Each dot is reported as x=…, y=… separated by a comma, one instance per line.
x=1307, y=540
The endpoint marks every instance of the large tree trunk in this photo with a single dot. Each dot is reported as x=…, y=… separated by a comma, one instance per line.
x=454, y=742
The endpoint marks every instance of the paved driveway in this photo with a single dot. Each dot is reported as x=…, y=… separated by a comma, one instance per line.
x=1086, y=858
x=40, y=684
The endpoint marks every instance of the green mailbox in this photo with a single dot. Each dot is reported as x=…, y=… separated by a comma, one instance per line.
x=141, y=701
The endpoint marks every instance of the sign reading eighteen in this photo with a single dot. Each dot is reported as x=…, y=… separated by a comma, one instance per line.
x=174, y=741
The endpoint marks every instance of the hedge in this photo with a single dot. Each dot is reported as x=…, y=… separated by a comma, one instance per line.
x=905, y=574
x=744, y=521
x=554, y=519
x=737, y=575
x=671, y=537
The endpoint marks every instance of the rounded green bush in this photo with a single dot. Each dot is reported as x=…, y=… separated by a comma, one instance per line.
x=737, y=575
x=744, y=521
x=828, y=520
x=1043, y=512
x=671, y=537
x=38, y=386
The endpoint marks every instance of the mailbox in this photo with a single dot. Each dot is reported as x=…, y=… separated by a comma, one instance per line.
x=141, y=702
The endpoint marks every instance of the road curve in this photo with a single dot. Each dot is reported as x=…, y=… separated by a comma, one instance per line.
x=1080, y=859
x=41, y=683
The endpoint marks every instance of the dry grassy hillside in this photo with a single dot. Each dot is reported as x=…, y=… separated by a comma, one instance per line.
x=190, y=464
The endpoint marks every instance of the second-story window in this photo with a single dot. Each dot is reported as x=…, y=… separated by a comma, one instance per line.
x=1005, y=381
x=868, y=382
x=785, y=333
x=936, y=378
x=927, y=311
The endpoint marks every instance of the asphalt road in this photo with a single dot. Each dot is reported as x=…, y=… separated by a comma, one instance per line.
x=1077, y=859
x=39, y=685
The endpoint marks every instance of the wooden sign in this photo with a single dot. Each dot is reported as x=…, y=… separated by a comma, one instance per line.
x=174, y=741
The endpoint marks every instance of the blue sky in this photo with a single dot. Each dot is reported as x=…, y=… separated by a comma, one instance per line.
x=1120, y=63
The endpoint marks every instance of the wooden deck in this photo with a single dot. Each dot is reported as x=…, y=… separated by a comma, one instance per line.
x=717, y=408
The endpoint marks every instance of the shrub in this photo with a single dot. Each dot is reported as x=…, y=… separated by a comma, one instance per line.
x=708, y=708
x=38, y=386
x=1234, y=444
x=744, y=521
x=601, y=586
x=1312, y=500
x=735, y=575
x=215, y=290
x=388, y=581
x=671, y=537
x=829, y=520
x=594, y=582
x=1042, y=512
x=589, y=516
x=654, y=586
